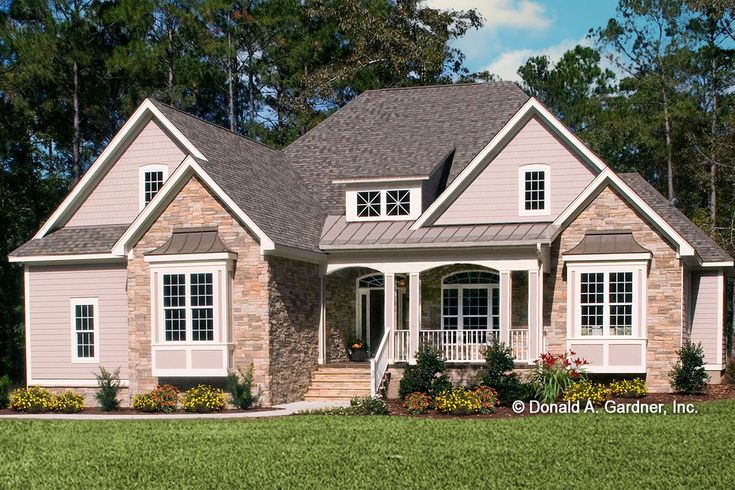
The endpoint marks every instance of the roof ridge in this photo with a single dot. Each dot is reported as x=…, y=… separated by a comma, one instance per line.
x=443, y=85
x=215, y=125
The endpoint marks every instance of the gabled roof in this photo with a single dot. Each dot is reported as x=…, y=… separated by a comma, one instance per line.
x=706, y=248
x=257, y=179
x=402, y=132
x=75, y=240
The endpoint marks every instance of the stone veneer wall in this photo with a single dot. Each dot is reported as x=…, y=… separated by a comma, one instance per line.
x=664, y=315
x=341, y=303
x=294, y=327
x=194, y=206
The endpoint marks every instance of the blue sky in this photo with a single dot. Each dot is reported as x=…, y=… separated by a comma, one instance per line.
x=517, y=29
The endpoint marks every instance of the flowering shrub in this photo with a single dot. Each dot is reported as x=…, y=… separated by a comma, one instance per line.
x=457, y=401
x=368, y=405
x=554, y=374
x=416, y=403
x=162, y=399
x=33, y=399
x=488, y=399
x=628, y=388
x=585, y=390
x=67, y=402
x=203, y=399
x=426, y=376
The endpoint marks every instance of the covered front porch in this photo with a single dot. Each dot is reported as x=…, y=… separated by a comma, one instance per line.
x=458, y=306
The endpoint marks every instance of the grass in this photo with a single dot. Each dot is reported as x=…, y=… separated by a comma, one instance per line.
x=560, y=451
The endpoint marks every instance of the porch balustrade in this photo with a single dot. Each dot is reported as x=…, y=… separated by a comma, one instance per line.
x=460, y=345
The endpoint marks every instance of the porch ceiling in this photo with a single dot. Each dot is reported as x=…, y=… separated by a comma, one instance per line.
x=339, y=234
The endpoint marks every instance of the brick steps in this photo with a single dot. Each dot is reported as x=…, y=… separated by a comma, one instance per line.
x=339, y=382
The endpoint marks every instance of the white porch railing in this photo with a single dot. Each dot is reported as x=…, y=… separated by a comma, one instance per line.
x=401, y=345
x=519, y=344
x=379, y=364
x=459, y=345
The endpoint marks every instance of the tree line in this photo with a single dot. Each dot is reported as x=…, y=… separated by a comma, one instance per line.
x=651, y=92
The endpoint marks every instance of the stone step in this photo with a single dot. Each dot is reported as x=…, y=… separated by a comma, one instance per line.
x=330, y=393
x=346, y=370
x=340, y=386
x=357, y=378
x=320, y=398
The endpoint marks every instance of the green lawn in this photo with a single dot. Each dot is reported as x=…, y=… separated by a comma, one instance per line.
x=562, y=451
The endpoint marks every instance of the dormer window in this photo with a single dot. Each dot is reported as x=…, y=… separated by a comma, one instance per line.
x=152, y=178
x=534, y=190
x=398, y=202
x=369, y=204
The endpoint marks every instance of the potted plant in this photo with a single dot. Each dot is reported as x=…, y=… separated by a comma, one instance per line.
x=358, y=350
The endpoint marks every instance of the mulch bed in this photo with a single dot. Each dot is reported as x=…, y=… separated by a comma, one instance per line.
x=132, y=411
x=714, y=393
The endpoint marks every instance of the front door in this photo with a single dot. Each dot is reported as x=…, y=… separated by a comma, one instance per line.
x=377, y=319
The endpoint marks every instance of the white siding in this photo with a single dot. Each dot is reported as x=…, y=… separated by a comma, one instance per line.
x=706, y=304
x=493, y=197
x=116, y=199
x=51, y=290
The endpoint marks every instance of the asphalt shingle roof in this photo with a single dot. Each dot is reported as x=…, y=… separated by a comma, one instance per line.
x=707, y=249
x=257, y=178
x=402, y=132
x=73, y=240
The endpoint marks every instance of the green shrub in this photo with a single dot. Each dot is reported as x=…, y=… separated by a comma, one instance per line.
x=4, y=392
x=488, y=399
x=368, y=406
x=426, y=376
x=498, y=374
x=584, y=391
x=108, y=383
x=203, y=399
x=240, y=388
x=629, y=388
x=163, y=398
x=67, y=402
x=416, y=403
x=688, y=375
x=33, y=399
x=552, y=375
x=457, y=401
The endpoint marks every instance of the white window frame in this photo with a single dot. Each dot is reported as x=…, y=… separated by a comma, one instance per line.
x=141, y=180
x=414, y=205
x=460, y=291
x=536, y=167
x=640, y=295
x=94, y=302
x=221, y=280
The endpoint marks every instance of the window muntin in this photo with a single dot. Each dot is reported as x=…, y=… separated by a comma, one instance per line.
x=534, y=190
x=398, y=202
x=368, y=204
x=84, y=328
x=188, y=307
x=471, y=301
x=372, y=281
x=606, y=302
x=152, y=183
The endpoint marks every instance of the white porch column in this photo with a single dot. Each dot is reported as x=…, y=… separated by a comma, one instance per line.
x=505, y=302
x=414, y=315
x=322, y=323
x=390, y=310
x=534, y=305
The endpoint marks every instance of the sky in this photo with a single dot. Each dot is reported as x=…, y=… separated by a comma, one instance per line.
x=515, y=30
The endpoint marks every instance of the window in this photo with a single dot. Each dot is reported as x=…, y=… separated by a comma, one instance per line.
x=534, y=189
x=471, y=301
x=152, y=178
x=84, y=314
x=368, y=204
x=188, y=315
x=606, y=301
x=398, y=203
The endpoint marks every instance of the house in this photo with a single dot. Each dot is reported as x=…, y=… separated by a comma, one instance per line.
x=188, y=251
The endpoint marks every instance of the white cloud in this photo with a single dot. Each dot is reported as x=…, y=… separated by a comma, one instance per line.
x=501, y=13
x=506, y=65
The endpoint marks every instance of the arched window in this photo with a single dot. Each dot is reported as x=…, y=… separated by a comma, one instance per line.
x=371, y=281
x=471, y=301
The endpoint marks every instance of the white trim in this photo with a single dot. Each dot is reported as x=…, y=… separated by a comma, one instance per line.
x=27, y=314
x=141, y=180
x=366, y=180
x=720, y=315
x=203, y=257
x=684, y=248
x=186, y=170
x=489, y=286
x=714, y=367
x=606, y=257
x=726, y=263
x=293, y=253
x=534, y=167
x=34, y=259
x=70, y=383
x=73, y=303
x=524, y=114
x=414, y=204
x=138, y=118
